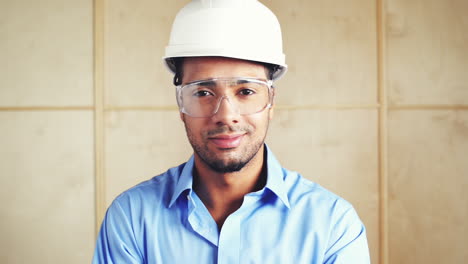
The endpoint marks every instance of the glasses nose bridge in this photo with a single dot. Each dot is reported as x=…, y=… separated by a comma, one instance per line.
x=220, y=100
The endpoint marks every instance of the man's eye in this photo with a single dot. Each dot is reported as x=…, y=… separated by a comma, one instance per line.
x=247, y=92
x=202, y=93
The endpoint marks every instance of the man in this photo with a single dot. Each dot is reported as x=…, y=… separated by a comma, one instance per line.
x=231, y=202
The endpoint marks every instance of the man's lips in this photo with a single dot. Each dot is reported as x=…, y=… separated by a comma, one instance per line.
x=227, y=141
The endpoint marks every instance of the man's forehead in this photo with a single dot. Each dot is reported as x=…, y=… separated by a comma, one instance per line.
x=199, y=68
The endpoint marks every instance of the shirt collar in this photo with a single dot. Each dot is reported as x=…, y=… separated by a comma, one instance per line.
x=185, y=180
x=275, y=179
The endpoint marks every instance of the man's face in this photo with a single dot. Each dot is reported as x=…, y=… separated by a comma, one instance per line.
x=226, y=141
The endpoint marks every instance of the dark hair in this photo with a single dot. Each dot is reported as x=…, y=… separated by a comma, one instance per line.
x=178, y=63
x=178, y=71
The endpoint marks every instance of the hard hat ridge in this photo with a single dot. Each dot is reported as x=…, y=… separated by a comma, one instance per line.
x=242, y=29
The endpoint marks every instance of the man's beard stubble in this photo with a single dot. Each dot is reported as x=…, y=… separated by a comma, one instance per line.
x=219, y=165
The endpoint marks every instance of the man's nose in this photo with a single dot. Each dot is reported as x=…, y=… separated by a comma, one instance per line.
x=226, y=111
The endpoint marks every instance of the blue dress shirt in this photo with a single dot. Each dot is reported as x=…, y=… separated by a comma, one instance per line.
x=291, y=220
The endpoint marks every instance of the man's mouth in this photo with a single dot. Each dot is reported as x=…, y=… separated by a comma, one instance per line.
x=227, y=141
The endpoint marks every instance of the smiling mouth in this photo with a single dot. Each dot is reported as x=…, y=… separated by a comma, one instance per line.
x=227, y=141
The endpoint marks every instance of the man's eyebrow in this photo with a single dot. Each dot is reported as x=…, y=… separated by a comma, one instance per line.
x=242, y=81
x=207, y=83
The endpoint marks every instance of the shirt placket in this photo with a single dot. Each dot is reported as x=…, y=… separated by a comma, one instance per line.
x=230, y=241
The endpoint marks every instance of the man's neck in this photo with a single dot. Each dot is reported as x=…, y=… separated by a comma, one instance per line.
x=223, y=193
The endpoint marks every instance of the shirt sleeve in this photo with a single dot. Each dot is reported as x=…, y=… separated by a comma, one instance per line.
x=348, y=241
x=116, y=242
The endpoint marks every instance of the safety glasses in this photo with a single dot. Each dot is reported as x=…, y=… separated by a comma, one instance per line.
x=245, y=95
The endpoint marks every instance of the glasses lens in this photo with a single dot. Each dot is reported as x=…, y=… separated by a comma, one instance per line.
x=203, y=98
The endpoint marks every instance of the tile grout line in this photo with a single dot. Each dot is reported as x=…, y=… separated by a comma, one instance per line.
x=45, y=108
x=416, y=107
x=328, y=107
x=100, y=181
x=382, y=133
x=456, y=107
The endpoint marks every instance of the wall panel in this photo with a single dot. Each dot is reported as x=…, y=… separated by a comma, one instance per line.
x=428, y=181
x=46, y=53
x=46, y=153
x=427, y=51
x=47, y=186
x=136, y=33
x=427, y=57
x=330, y=49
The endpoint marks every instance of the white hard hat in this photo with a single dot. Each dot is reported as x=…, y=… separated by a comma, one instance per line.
x=242, y=29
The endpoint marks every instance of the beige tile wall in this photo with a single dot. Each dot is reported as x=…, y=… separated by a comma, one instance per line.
x=327, y=122
x=428, y=182
x=136, y=33
x=46, y=187
x=330, y=49
x=47, y=153
x=428, y=131
x=427, y=51
x=45, y=48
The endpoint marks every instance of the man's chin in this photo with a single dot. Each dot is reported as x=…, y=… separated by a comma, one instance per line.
x=224, y=167
x=225, y=162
